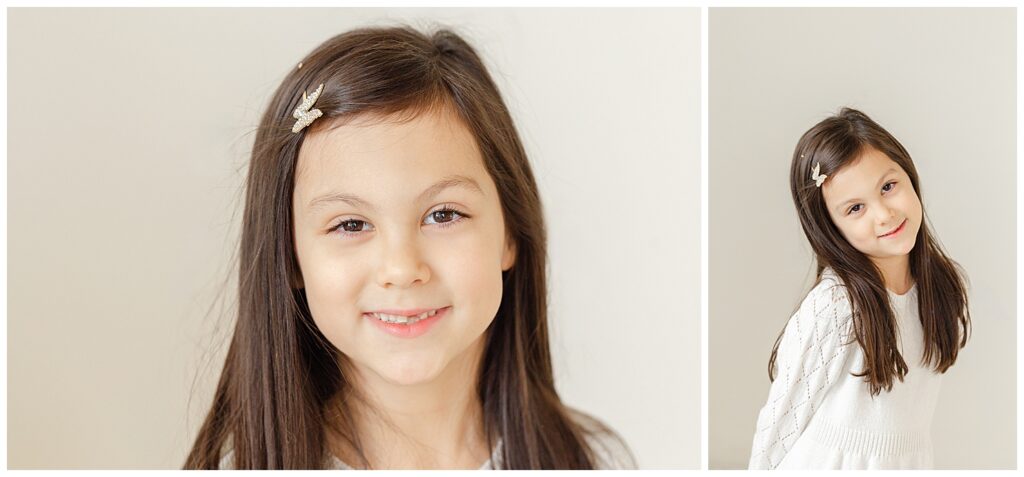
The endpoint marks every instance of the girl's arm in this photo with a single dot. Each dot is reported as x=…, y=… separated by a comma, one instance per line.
x=811, y=357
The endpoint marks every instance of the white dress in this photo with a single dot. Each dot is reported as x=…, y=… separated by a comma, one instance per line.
x=819, y=416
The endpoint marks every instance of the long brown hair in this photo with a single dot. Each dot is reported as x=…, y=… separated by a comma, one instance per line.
x=280, y=371
x=942, y=292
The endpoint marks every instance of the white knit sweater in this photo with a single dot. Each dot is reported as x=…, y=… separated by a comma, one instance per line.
x=819, y=416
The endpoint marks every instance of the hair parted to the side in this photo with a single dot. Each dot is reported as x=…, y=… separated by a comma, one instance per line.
x=941, y=286
x=280, y=370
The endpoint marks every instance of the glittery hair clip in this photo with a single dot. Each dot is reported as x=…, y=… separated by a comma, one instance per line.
x=303, y=114
x=816, y=177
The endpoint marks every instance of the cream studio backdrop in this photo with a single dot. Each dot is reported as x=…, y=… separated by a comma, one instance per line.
x=128, y=138
x=942, y=82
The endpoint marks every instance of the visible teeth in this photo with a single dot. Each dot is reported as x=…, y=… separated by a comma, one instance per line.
x=394, y=318
x=404, y=320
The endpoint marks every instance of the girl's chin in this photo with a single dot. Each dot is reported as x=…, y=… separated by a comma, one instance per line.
x=905, y=247
x=409, y=371
x=421, y=365
x=892, y=253
x=893, y=249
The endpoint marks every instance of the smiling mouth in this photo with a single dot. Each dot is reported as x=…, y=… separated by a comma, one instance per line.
x=896, y=230
x=402, y=317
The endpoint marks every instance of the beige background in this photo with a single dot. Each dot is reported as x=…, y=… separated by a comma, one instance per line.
x=129, y=131
x=943, y=82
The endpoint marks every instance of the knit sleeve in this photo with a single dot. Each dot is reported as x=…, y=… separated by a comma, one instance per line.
x=811, y=358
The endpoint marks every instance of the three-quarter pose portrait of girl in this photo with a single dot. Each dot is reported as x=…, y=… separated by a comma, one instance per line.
x=857, y=370
x=392, y=293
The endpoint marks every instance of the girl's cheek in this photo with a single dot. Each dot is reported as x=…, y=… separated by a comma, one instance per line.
x=915, y=204
x=472, y=259
x=338, y=272
x=862, y=228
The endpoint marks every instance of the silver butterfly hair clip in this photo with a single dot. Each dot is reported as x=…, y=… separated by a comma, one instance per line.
x=303, y=113
x=816, y=176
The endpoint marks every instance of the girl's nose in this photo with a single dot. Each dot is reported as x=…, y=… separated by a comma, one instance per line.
x=885, y=214
x=402, y=264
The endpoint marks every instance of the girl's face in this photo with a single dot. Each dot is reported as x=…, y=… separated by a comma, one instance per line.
x=401, y=241
x=874, y=206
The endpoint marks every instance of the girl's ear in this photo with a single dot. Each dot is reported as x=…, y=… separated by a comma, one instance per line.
x=508, y=257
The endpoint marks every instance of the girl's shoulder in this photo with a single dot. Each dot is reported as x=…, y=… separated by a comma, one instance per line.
x=610, y=451
x=830, y=288
x=227, y=458
x=827, y=300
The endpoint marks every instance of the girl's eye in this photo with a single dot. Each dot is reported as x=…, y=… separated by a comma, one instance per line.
x=352, y=226
x=444, y=216
x=856, y=208
x=888, y=186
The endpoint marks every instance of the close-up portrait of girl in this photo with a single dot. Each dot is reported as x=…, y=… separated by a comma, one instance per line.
x=857, y=371
x=393, y=290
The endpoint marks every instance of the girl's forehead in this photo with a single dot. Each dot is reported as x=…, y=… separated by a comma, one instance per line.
x=870, y=166
x=371, y=134
x=372, y=154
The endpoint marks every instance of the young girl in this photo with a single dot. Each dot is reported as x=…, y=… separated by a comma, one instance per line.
x=392, y=289
x=859, y=364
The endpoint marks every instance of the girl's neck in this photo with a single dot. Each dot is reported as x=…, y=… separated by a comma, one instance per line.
x=896, y=273
x=432, y=425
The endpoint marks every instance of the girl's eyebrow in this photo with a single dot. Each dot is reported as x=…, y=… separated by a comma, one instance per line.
x=355, y=201
x=886, y=174
x=349, y=199
x=450, y=181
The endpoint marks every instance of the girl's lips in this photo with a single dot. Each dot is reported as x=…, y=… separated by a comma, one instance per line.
x=896, y=231
x=416, y=322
